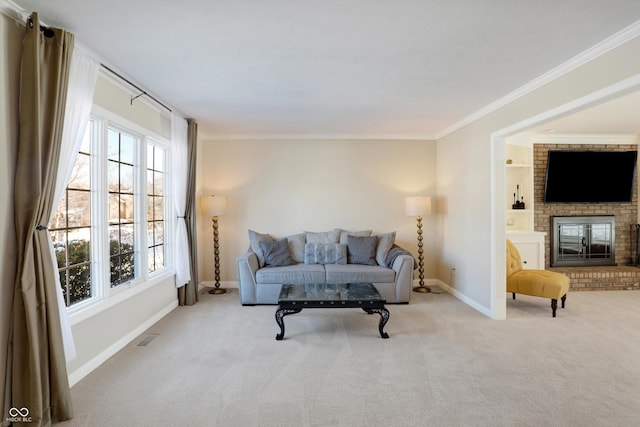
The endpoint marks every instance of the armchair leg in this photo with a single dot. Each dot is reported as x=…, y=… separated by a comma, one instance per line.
x=554, y=306
x=514, y=295
x=564, y=298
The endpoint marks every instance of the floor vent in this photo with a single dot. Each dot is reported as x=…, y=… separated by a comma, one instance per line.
x=146, y=340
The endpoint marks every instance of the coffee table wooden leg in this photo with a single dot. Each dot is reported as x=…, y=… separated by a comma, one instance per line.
x=384, y=318
x=280, y=313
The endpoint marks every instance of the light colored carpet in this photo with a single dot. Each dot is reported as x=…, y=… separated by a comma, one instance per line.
x=218, y=364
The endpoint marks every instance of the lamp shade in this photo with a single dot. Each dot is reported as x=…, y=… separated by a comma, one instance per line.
x=417, y=205
x=213, y=205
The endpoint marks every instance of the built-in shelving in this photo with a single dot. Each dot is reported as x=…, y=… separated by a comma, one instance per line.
x=519, y=186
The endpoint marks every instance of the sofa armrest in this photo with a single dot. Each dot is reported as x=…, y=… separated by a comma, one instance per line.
x=403, y=266
x=247, y=267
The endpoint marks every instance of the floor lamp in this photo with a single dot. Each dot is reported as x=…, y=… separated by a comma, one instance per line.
x=215, y=206
x=418, y=206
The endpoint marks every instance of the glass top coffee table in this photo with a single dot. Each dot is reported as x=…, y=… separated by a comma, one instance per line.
x=293, y=298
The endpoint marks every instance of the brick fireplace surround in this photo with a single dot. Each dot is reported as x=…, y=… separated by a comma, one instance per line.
x=620, y=277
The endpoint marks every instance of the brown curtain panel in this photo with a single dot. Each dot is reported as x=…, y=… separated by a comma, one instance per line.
x=37, y=372
x=188, y=294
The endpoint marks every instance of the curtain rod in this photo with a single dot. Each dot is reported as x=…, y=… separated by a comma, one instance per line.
x=142, y=91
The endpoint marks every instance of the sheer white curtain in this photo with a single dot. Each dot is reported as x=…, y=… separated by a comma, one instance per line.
x=180, y=165
x=83, y=74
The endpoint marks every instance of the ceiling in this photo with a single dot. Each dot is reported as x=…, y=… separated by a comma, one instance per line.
x=334, y=68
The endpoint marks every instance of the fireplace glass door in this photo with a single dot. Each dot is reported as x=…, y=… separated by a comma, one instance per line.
x=583, y=241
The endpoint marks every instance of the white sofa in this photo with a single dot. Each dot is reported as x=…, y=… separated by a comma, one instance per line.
x=336, y=256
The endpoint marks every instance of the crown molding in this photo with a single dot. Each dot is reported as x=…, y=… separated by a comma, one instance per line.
x=313, y=137
x=610, y=43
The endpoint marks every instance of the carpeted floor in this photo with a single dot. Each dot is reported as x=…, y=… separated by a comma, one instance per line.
x=218, y=364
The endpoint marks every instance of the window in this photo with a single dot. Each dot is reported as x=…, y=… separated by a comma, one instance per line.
x=155, y=206
x=98, y=228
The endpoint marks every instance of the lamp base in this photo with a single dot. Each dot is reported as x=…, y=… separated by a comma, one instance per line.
x=218, y=291
x=422, y=289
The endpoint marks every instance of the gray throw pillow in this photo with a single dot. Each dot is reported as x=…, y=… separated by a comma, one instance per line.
x=385, y=242
x=344, y=234
x=325, y=253
x=276, y=253
x=296, y=246
x=323, y=237
x=254, y=241
x=362, y=250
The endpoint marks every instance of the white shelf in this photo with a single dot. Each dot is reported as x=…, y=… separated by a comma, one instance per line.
x=519, y=179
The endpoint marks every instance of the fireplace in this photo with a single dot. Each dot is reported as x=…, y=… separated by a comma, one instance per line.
x=583, y=241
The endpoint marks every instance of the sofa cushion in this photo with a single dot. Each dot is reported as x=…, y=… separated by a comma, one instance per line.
x=352, y=273
x=344, y=234
x=296, y=246
x=362, y=250
x=276, y=253
x=325, y=253
x=332, y=236
x=254, y=241
x=292, y=274
x=385, y=242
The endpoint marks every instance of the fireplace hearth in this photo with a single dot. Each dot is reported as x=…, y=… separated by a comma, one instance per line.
x=583, y=241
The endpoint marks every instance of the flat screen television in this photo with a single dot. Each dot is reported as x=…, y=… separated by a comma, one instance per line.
x=590, y=176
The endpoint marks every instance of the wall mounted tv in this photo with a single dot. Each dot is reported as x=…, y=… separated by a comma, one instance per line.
x=590, y=176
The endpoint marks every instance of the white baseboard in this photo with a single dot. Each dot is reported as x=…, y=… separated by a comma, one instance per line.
x=87, y=368
x=462, y=297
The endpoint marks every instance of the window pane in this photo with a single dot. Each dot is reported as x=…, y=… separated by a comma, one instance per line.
x=114, y=208
x=158, y=163
x=79, y=208
x=158, y=231
x=149, y=182
x=85, y=146
x=59, y=220
x=159, y=260
x=158, y=208
x=113, y=176
x=149, y=208
x=79, y=283
x=126, y=238
x=158, y=183
x=114, y=240
x=60, y=247
x=126, y=208
x=81, y=175
x=114, y=270
x=113, y=145
x=127, y=148
x=127, y=267
x=151, y=259
x=150, y=156
x=79, y=250
x=126, y=178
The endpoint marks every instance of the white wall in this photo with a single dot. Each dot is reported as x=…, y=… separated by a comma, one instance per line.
x=286, y=187
x=469, y=241
x=10, y=49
